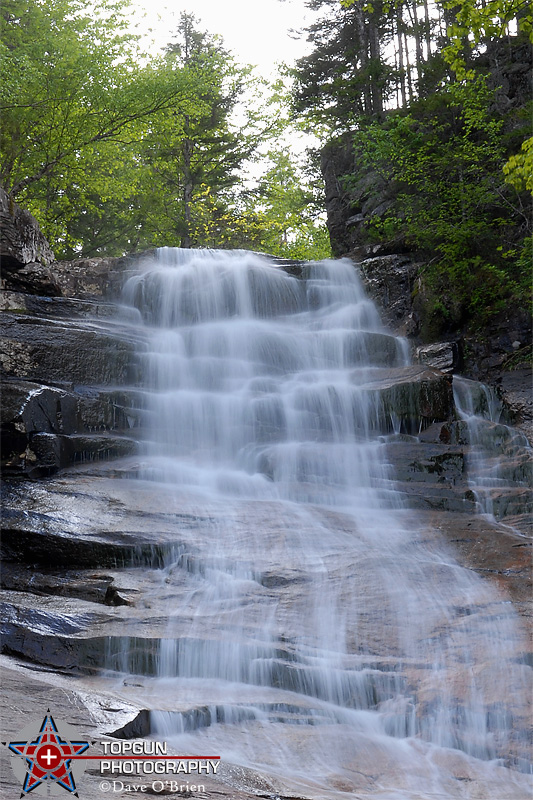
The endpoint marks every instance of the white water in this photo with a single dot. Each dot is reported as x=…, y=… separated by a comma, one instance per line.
x=334, y=642
x=493, y=485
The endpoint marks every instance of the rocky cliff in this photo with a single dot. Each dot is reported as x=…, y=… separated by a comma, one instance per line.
x=71, y=378
x=76, y=531
x=497, y=352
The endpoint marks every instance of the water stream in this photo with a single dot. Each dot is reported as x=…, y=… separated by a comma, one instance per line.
x=315, y=630
x=494, y=481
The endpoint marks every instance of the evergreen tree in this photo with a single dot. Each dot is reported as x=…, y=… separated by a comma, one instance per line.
x=346, y=76
x=204, y=149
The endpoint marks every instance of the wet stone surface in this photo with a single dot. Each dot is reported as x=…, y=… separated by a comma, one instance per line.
x=254, y=623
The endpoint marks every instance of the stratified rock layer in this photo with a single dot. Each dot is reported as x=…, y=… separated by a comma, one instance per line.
x=110, y=556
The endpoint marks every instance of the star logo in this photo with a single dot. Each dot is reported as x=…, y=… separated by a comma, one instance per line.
x=46, y=754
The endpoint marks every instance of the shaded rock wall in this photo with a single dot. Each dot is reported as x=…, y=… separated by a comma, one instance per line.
x=21, y=239
x=500, y=353
x=61, y=364
x=71, y=397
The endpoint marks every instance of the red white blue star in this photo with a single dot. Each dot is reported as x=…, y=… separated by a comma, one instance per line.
x=48, y=757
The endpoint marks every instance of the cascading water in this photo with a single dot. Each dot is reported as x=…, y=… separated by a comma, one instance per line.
x=494, y=487
x=316, y=632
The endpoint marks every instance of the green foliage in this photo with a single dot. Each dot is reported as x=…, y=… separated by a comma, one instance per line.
x=294, y=229
x=279, y=217
x=75, y=104
x=479, y=22
x=203, y=149
x=443, y=166
x=113, y=151
x=518, y=170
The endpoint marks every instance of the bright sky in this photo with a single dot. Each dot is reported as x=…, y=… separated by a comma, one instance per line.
x=256, y=32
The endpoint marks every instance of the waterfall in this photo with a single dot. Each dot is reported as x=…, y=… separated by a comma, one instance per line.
x=497, y=485
x=315, y=629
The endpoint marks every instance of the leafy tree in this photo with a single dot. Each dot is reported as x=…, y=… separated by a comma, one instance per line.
x=442, y=162
x=280, y=216
x=477, y=22
x=190, y=151
x=75, y=103
x=291, y=211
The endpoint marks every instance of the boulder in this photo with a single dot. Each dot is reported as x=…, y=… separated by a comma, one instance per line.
x=409, y=398
x=21, y=239
x=442, y=355
x=57, y=352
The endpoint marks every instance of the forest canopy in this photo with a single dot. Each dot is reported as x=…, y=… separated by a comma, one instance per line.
x=435, y=100
x=115, y=150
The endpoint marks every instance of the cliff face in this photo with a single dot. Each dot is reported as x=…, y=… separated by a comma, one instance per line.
x=508, y=66
x=84, y=543
x=498, y=351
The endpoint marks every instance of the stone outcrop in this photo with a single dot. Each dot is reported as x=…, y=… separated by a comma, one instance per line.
x=390, y=280
x=25, y=255
x=56, y=358
x=442, y=355
x=21, y=239
x=61, y=353
x=95, y=278
x=45, y=428
x=87, y=550
x=515, y=390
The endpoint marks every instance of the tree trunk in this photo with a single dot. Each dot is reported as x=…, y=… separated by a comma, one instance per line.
x=187, y=188
x=408, y=68
x=401, y=59
x=363, y=51
x=418, y=40
x=427, y=29
x=375, y=56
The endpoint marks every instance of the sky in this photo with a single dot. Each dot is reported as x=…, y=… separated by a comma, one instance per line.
x=256, y=31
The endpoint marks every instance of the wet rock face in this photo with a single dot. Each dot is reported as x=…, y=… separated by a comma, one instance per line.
x=57, y=352
x=21, y=239
x=443, y=356
x=52, y=414
x=389, y=280
x=415, y=396
x=95, y=560
x=64, y=620
x=515, y=391
x=45, y=428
